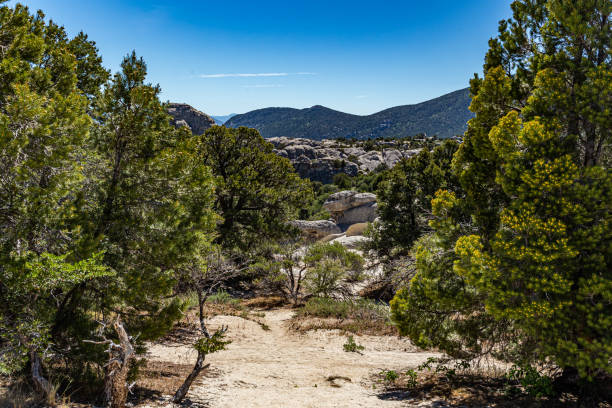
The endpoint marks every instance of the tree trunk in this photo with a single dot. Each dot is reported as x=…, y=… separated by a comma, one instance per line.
x=40, y=382
x=197, y=369
x=199, y=365
x=115, y=383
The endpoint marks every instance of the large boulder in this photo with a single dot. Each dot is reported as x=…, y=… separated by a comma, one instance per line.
x=347, y=199
x=350, y=207
x=321, y=160
x=363, y=213
x=317, y=229
x=357, y=229
x=353, y=242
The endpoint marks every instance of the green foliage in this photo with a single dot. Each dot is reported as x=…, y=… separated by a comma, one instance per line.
x=103, y=202
x=390, y=376
x=43, y=128
x=222, y=298
x=208, y=345
x=404, y=196
x=342, y=181
x=532, y=382
x=351, y=347
x=345, y=309
x=148, y=200
x=257, y=191
x=411, y=379
x=519, y=259
x=329, y=266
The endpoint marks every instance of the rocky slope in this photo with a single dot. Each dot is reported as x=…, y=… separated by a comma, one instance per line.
x=445, y=116
x=187, y=115
x=322, y=160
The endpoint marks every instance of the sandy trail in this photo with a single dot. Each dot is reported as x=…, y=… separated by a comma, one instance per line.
x=281, y=368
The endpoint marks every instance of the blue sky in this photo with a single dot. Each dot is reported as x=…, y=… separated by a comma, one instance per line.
x=354, y=56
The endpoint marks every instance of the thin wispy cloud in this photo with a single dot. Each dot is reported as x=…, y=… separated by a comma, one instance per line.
x=361, y=96
x=251, y=75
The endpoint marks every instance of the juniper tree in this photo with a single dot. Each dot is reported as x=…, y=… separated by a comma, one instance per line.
x=43, y=128
x=257, y=191
x=532, y=220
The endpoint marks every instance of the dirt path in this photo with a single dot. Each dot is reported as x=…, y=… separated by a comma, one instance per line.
x=281, y=368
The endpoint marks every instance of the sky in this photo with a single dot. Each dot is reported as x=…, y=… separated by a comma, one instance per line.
x=232, y=57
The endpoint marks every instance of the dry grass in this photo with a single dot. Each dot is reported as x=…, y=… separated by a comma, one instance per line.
x=264, y=302
x=350, y=316
x=16, y=395
x=355, y=326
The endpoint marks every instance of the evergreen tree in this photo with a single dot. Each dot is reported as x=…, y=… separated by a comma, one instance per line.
x=532, y=220
x=147, y=202
x=404, y=198
x=257, y=191
x=43, y=128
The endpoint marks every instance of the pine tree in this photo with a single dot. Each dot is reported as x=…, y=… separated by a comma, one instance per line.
x=404, y=198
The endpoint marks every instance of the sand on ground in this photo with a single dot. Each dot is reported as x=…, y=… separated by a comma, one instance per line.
x=282, y=368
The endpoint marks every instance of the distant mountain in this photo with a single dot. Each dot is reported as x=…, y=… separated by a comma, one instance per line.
x=222, y=119
x=445, y=116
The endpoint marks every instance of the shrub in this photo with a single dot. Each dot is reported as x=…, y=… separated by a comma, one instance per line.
x=390, y=376
x=351, y=347
x=365, y=309
x=533, y=383
x=342, y=180
x=330, y=266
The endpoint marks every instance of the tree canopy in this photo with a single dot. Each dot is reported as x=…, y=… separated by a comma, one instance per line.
x=257, y=191
x=518, y=263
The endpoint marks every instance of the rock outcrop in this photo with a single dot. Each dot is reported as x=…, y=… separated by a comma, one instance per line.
x=350, y=211
x=322, y=160
x=352, y=242
x=187, y=115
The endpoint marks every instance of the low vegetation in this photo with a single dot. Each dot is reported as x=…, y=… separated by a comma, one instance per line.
x=358, y=316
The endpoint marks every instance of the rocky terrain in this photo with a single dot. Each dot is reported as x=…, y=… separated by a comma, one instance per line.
x=445, y=116
x=350, y=213
x=187, y=115
x=322, y=160
x=317, y=160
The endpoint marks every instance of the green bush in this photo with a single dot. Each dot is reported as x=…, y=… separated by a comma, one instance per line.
x=351, y=347
x=330, y=266
x=533, y=383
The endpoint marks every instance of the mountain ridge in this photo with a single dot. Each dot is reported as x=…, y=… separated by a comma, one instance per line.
x=444, y=116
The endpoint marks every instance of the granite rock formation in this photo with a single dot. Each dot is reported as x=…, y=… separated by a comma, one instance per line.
x=322, y=160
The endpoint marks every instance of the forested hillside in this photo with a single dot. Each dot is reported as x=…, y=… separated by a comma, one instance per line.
x=445, y=116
